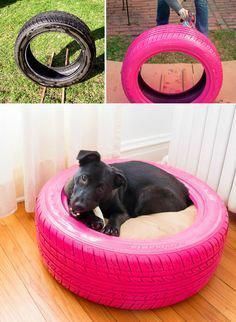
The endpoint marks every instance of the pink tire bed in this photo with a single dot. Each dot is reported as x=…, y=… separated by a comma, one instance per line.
x=171, y=38
x=131, y=274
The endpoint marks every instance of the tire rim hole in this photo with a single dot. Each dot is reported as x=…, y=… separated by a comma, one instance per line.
x=61, y=73
x=43, y=45
x=175, y=76
x=170, y=85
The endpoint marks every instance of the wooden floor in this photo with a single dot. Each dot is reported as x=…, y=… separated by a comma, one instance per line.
x=29, y=293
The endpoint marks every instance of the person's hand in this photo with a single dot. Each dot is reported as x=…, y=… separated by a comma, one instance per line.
x=183, y=13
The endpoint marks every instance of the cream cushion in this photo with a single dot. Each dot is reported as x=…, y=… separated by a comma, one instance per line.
x=158, y=225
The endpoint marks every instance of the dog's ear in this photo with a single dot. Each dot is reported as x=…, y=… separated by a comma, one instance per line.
x=85, y=157
x=68, y=188
x=119, y=178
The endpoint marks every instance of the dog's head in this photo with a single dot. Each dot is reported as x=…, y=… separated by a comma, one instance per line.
x=93, y=183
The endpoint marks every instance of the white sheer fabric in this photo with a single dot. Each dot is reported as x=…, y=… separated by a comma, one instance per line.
x=203, y=144
x=37, y=142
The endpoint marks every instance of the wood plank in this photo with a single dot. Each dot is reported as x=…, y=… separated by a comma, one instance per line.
x=226, y=277
x=50, y=296
x=229, y=253
x=187, y=312
x=122, y=315
x=27, y=221
x=231, y=238
x=232, y=226
x=167, y=314
x=146, y=316
x=197, y=72
x=187, y=77
x=63, y=94
x=171, y=80
x=208, y=311
x=43, y=88
x=97, y=312
x=226, y=272
x=221, y=296
x=16, y=303
x=155, y=80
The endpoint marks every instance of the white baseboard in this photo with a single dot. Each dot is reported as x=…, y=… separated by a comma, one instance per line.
x=152, y=148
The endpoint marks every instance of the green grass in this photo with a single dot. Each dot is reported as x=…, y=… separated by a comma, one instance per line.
x=224, y=40
x=14, y=86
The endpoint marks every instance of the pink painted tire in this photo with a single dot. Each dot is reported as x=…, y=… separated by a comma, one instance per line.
x=172, y=38
x=131, y=274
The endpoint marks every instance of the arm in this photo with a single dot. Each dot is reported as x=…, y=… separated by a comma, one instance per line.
x=177, y=7
x=174, y=4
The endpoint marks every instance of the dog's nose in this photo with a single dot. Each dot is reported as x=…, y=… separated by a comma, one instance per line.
x=78, y=207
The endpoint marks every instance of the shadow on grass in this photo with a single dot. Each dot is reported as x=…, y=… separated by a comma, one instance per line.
x=4, y=3
x=98, y=67
x=74, y=47
x=59, y=59
x=98, y=33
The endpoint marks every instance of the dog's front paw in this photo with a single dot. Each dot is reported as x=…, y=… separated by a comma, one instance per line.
x=91, y=221
x=96, y=225
x=111, y=230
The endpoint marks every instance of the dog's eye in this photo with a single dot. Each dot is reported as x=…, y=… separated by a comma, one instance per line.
x=84, y=178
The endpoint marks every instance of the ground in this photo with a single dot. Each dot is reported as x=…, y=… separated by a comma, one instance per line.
x=14, y=86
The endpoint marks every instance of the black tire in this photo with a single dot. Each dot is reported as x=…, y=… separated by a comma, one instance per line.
x=58, y=21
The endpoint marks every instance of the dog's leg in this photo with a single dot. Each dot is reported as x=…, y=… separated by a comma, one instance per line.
x=117, y=215
x=153, y=199
x=91, y=221
x=114, y=223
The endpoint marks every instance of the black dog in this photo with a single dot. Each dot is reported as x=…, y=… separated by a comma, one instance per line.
x=121, y=190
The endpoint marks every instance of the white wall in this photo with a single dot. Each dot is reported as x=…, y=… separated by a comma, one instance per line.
x=146, y=133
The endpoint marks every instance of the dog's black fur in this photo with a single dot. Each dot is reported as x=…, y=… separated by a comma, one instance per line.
x=121, y=190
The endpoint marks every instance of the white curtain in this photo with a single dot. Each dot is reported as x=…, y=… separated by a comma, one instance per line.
x=204, y=144
x=36, y=142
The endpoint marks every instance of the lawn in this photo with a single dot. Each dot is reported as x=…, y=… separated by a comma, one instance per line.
x=14, y=86
x=224, y=40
